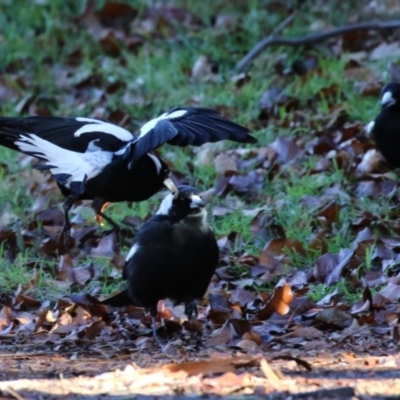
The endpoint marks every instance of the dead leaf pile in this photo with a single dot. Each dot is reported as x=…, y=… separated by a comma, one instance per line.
x=275, y=292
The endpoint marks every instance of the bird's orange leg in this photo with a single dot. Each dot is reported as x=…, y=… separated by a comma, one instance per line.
x=99, y=218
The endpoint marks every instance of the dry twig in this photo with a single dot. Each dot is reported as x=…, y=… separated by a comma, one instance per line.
x=309, y=39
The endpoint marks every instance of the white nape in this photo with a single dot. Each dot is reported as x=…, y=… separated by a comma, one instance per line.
x=166, y=205
x=157, y=162
x=148, y=126
x=387, y=99
x=195, y=201
x=80, y=166
x=132, y=251
x=197, y=220
x=95, y=125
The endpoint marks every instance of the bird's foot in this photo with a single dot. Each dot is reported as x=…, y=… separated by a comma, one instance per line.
x=119, y=239
x=159, y=341
x=99, y=216
x=99, y=219
x=191, y=309
x=99, y=205
x=65, y=236
x=155, y=336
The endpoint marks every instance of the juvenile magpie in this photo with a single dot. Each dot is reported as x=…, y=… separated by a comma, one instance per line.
x=96, y=160
x=386, y=127
x=174, y=256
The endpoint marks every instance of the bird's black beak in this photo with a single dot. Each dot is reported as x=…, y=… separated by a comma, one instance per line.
x=170, y=185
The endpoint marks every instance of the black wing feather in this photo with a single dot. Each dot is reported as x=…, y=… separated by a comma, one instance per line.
x=155, y=138
x=196, y=127
x=57, y=130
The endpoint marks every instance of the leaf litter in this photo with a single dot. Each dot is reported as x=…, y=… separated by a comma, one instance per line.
x=262, y=328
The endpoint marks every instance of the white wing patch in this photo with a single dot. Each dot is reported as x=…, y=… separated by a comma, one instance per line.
x=105, y=127
x=80, y=166
x=132, y=251
x=85, y=119
x=369, y=127
x=122, y=150
x=148, y=126
x=176, y=114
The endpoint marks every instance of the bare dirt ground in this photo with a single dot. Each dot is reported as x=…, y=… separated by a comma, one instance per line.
x=100, y=371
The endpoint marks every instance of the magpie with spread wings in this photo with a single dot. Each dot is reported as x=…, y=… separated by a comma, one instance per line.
x=96, y=160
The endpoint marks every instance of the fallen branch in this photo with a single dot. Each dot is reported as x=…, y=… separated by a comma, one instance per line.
x=259, y=47
x=318, y=37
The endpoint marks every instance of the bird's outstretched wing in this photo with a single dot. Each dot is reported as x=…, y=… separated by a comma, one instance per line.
x=76, y=134
x=184, y=127
x=74, y=149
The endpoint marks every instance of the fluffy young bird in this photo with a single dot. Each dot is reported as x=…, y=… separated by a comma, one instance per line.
x=95, y=160
x=386, y=127
x=174, y=256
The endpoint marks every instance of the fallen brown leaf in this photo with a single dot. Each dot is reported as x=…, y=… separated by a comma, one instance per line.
x=279, y=302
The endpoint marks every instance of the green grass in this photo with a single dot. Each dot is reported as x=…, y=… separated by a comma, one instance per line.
x=38, y=40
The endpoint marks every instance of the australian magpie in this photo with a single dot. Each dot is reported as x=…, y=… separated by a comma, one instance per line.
x=97, y=160
x=174, y=256
x=386, y=127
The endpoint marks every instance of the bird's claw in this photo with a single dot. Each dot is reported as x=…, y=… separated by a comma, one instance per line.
x=191, y=309
x=65, y=236
x=99, y=219
x=119, y=238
